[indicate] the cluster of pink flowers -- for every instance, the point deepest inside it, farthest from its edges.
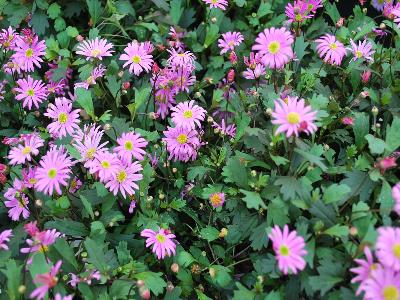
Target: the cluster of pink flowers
(380, 279)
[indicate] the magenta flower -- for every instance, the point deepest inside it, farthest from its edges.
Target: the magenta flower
(132, 206)
(162, 241)
(95, 49)
(255, 73)
(313, 5)
(29, 176)
(188, 115)
(105, 165)
(229, 41)
(298, 12)
(362, 50)
(24, 152)
(8, 38)
(28, 55)
(217, 199)
(125, 179)
(18, 206)
(182, 144)
(4, 238)
(137, 57)
(41, 241)
(384, 284)
(293, 117)
(65, 120)
(396, 197)
(131, 145)
(181, 59)
(330, 49)
(96, 73)
(223, 129)
(275, 46)
(388, 247)
(222, 4)
(54, 171)
(33, 92)
(47, 281)
(289, 249)
(14, 192)
(347, 121)
(88, 142)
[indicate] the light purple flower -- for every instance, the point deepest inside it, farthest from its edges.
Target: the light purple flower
(162, 241)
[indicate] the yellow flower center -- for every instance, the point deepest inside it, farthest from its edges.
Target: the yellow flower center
(52, 173)
(298, 17)
(89, 80)
(381, 1)
(182, 138)
(136, 59)
(43, 248)
(21, 202)
(390, 292)
(293, 118)
(183, 54)
(231, 44)
(310, 6)
(26, 150)
(30, 92)
(128, 145)
(32, 180)
(105, 164)
(62, 118)
(359, 54)
(274, 47)
(284, 250)
(121, 176)
(188, 114)
(333, 46)
(95, 52)
(215, 199)
(90, 153)
(74, 183)
(396, 250)
(160, 238)
(29, 52)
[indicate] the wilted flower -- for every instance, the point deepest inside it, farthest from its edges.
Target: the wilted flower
(47, 281)
(217, 199)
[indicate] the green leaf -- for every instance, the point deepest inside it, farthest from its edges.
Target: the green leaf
(185, 259)
(84, 99)
(209, 233)
(40, 22)
(360, 129)
(198, 171)
(259, 236)
(13, 273)
(221, 277)
(87, 206)
(279, 160)
(96, 255)
(376, 145)
(393, 135)
(211, 35)
(176, 10)
(153, 281)
(68, 227)
(332, 12)
(54, 11)
(72, 31)
(242, 293)
(66, 252)
(385, 199)
(277, 212)
(312, 158)
(236, 172)
(95, 10)
(336, 192)
(337, 231)
(253, 200)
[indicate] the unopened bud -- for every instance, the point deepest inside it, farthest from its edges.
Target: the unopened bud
(170, 286)
(364, 94)
(140, 283)
(326, 147)
(107, 127)
(155, 68)
(339, 23)
(161, 196)
(269, 111)
(21, 289)
(37, 113)
(145, 293)
(126, 85)
(223, 233)
(382, 26)
(174, 170)
(96, 213)
(175, 268)
(231, 75)
(210, 119)
(375, 111)
(84, 254)
(253, 173)
(79, 38)
(120, 74)
(233, 58)
(353, 231)
(213, 20)
(212, 272)
(150, 198)
(365, 10)
(197, 95)
(38, 203)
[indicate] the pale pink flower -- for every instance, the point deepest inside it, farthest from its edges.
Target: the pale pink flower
(88, 142)
(384, 284)
(362, 50)
(95, 49)
(229, 41)
(222, 4)
(181, 59)
(28, 55)
(105, 165)
(223, 129)
(182, 144)
(188, 115)
(388, 247)
(131, 145)
(396, 197)
(125, 179)
(41, 241)
(31, 91)
(137, 57)
(298, 11)
(25, 151)
(162, 241)
(4, 238)
(8, 38)
(18, 206)
(47, 281)
(330, 49)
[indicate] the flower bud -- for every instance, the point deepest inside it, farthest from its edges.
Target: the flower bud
(212, 272)
(223, 233)
(339, 23)
(213, 20)
(84, 254)
(21, 289)
(364, 94)
(210, 119)
(37, 113)
(107, 127)
(197, 95)
(145, 293)
(170, 286)
(269, 111)
(353, 231)
(140, 283)
(233, 58)
(253, 173)
(326, 147)
(126, 85)
(38, 203)
(382, 26)
(96, 213)
(155, 68)
(231, 76)
(161, 196)
(174, 170)
(175, 268)
(79, 38)
(365, 76)
(375, 111)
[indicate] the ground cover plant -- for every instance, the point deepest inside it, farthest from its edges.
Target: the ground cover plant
(213, 149)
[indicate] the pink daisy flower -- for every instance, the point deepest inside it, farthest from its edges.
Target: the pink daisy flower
(217, 199)
(396, 197)
(162, 241)
(313, 5)
(24, 152)
(380, 4)
(88, 142)
(181, 59)
(41, 241)
(223, 129)
(18, 206)
(182, 144)
(28, 55)
(388, 247)
(275, 46)
(188, 115)
(54, 171)
(384, 284)
(293, 117)
(229, 41)
(255, 73)
(183, 78)
(125, 179)
(47, 281)
(65, 120)
(298, 12)
(105, 165)
(362, 50)
(131, 145)
(8, 38)
(95, 49)
(289, 249)
(137, 57)
(222, 4)
(17, 188)
(330, 49)
(33, 92)
(4, 238)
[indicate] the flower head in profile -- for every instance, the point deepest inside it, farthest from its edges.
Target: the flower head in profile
(298, 12)
(96, 73)
(362, 50)
(330, 49)
(41, 241)
(396, 197)
(222, 4)
(131, 145)
(162, 241)
(188, 115)
(182, 144)
(275, 47)
(46, 281)
(137, 57)
(293, 117)
(95, 49)
(65, 119)
(224, 129)
(289, 249)
(125, 179)
(383, 284)
(388, 247)
(217, 199)
(31, 91)
(74, 185)
(4, 238)
(54, 171)
(229, 41)
(105, 165)
(88, 142)
(28, 54)
(17, 206)
(181, 59)
(26, 150)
